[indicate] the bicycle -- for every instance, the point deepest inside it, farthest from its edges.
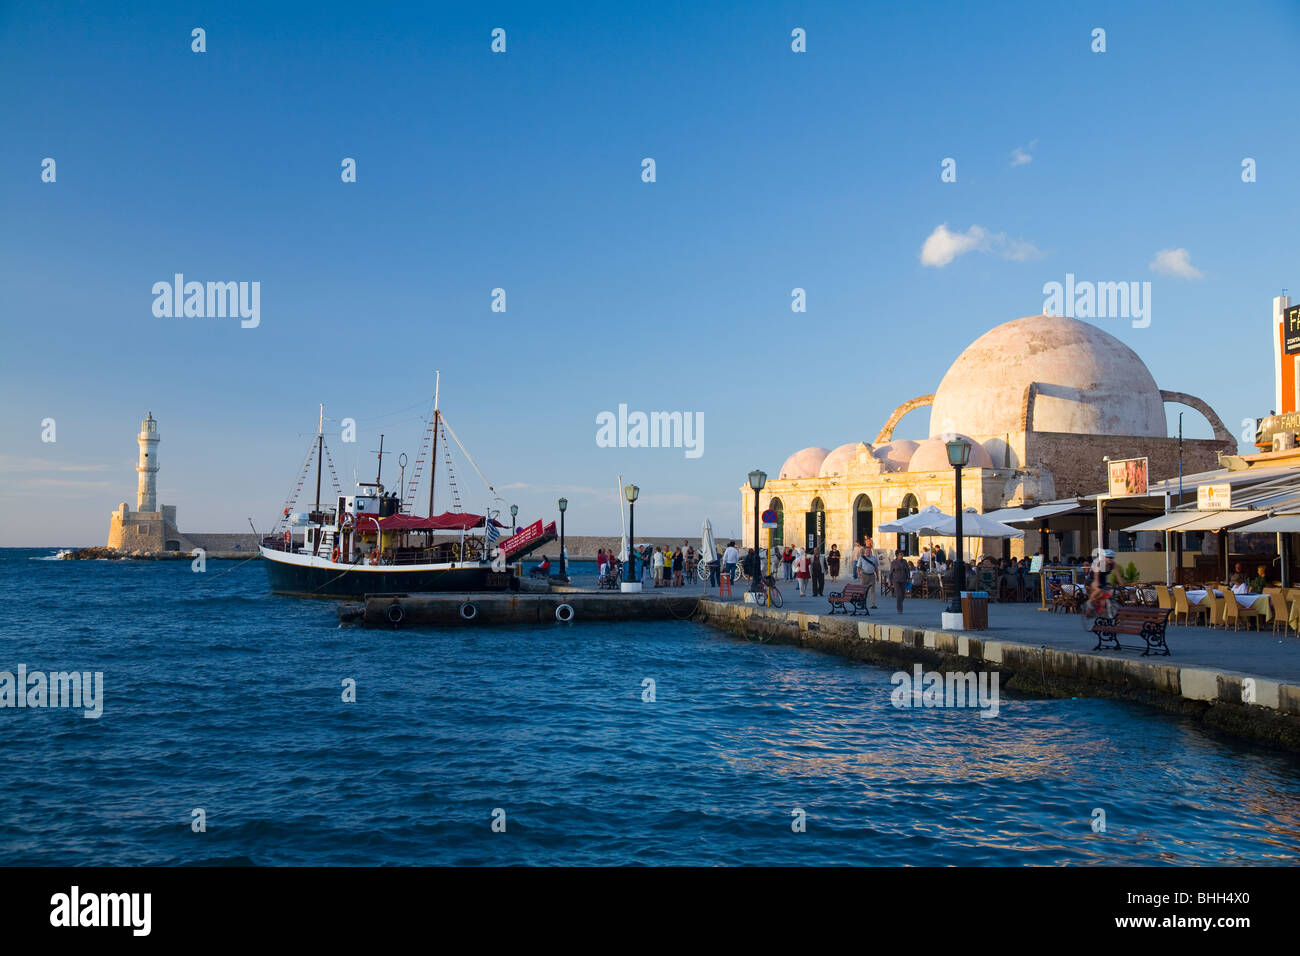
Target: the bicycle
(1102, 604)
(769, 592)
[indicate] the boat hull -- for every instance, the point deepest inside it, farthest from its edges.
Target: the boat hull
(313, 577)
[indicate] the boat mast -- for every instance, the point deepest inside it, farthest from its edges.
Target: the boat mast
(380, 470)
(320, 443)
(433, 461)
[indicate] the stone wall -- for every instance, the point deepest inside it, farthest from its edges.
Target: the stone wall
(1076, 460)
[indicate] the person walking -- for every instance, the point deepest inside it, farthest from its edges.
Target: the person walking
(898, 574)
(867, 570)
(787, 562)
(818, 573)
(730, 558)
(853, 558)
(679, 563)
(833, 563)
(802, 573)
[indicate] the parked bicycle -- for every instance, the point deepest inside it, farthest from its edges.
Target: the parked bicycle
(769, 593)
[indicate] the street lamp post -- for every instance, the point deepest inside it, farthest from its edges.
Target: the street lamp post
(514, 513)
(564, 572)
(757, 479)
(958, 456)
(630, 493)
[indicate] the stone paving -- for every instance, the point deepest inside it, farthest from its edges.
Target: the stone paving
(1245, 652)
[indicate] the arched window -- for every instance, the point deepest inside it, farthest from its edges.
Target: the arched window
(815, 525)
(778, 533)
(909, 544)
(863, 525)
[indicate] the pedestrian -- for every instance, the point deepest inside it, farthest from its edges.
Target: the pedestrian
(867, 569)
(787, 562)
(600, 563)
(658, 560)
(730, 558)
(833, 563)
(853, 558)
(679, 563)
(818, 573)
(898, 574)
(715, 569)
(802, 573)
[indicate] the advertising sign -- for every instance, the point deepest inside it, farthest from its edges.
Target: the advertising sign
(1128, 477)
(1214, 497)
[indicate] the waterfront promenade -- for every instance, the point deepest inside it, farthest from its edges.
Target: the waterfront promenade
(1248, 653)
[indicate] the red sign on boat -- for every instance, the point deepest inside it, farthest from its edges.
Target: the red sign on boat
(526, 536)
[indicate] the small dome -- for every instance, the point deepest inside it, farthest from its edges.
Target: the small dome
(895, 455)
(804, 463)
(932, 455)
(838, 461)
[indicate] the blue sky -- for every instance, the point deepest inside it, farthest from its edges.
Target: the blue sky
(522, 171)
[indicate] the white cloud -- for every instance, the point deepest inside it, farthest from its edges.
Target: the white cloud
(943, 246)
(1175, 262)
(1021, 156)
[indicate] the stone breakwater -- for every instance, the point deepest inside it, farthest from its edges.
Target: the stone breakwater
(1255, 708)
(114, 554)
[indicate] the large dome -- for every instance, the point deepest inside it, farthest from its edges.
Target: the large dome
(838, 461)
(804, 463)
(1090, 383)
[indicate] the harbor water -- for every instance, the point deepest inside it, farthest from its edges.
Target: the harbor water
(220, 697)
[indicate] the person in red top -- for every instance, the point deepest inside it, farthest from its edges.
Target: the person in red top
(802, 572)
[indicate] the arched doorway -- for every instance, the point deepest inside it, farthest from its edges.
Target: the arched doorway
(815, 525)
(909, 544)
(863, 525)
(778, 533)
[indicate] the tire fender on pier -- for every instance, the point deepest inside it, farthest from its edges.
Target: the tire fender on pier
(396, 614)
(468, 611)
(564, 613)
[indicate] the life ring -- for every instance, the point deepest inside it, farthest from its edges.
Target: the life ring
(335, 556)
(374, 557)
(564, 613)
(288, 539)
(468, 611)
(347, 521)
(396, 614)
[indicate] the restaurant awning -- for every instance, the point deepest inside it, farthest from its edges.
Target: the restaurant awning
(1034, 514)
(1219, 520)
(1173, 521)
(1283, 523)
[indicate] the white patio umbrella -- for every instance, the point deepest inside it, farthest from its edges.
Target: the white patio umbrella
(914, 524)
(973, 525)
(707, 544)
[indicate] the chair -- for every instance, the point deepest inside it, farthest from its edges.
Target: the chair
(1214, 603)
(1188, 611)
(1233, 612)
(1164, 599)
(1277, 603)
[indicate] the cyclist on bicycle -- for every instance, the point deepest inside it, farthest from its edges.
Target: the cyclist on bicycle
(1099, 580)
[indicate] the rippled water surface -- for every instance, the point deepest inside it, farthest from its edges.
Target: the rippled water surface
(220, 696)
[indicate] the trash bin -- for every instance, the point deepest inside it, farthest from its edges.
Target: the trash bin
(974, 610)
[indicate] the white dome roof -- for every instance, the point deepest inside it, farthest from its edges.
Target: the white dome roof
(838, 461)
(932, 455)
(1091, 383)
(896, 454)
(804, 463)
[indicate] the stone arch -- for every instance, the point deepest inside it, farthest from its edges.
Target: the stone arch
(1221, 432)
(887, 433)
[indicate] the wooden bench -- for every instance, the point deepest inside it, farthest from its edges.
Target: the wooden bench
(1147, 623)
(853, 596)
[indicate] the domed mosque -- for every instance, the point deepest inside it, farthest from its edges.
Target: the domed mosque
(1041, 400)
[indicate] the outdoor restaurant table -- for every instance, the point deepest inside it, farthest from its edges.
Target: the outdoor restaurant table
(1259, 602)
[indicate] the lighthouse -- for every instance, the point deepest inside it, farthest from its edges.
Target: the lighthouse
(147, 492)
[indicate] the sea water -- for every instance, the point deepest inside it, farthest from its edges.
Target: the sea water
(225, 737)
